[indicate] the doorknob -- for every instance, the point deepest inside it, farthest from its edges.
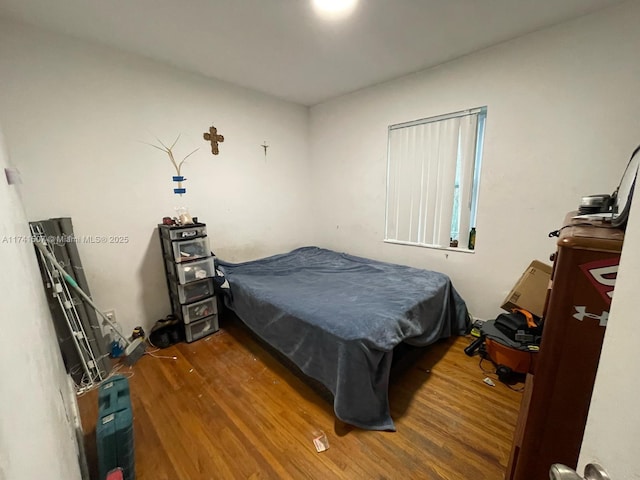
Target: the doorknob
(562, 472)
(592, 471)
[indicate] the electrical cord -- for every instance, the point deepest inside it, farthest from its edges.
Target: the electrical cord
(92, 384)
(495, 376)
(157, 349)
(154, 346)
(556, 233)
(519, 390)
(486, 372)
(161, 356)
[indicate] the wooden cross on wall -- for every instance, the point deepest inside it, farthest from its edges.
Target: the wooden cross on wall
(213, 137)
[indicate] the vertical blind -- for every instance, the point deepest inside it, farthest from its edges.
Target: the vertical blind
(430, 179)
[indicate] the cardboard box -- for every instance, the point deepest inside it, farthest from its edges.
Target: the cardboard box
(530, 292)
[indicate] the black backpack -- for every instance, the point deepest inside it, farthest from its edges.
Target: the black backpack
(166, 332)
(517, 327)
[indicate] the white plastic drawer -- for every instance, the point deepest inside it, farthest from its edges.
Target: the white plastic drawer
(196, 270)
(194, 291)
(201, 328)
(187, 232)
(198, 310)
(186, 250)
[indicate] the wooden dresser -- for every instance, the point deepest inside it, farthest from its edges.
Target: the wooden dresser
(557, 395)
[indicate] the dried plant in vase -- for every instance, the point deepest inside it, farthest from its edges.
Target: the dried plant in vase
(177, 165)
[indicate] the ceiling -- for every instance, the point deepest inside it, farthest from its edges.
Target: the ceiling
(282, 48)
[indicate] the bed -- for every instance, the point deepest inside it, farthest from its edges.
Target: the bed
(338, 318)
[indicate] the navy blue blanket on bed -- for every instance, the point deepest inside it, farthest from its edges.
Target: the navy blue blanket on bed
(338, 318)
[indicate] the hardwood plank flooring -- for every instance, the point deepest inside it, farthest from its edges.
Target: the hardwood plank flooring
(228, 409)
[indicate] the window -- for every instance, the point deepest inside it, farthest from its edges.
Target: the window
(433, 175)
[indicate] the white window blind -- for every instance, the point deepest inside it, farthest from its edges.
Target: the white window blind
(432, 179)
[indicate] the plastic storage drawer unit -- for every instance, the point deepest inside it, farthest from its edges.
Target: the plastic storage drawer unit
(196, 311)
(187, 250)
(196, 330)
(191, 271)
(186, 233)
(190, 268)
(193, 291)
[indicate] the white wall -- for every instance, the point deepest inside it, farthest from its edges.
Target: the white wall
(37, 436)
(75, 115)
(612, 434)
(562, 121)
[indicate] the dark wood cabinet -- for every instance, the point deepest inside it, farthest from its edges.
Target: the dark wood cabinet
(556, 401)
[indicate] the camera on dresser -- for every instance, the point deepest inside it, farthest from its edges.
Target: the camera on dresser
(189, 268)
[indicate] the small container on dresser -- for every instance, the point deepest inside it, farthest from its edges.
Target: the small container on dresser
(189, 268)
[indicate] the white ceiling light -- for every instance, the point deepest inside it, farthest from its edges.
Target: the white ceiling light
(334, 8)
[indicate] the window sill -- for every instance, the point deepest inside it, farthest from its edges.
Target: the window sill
(432, 247)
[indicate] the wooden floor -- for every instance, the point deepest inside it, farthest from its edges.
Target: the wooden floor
(226, 408)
